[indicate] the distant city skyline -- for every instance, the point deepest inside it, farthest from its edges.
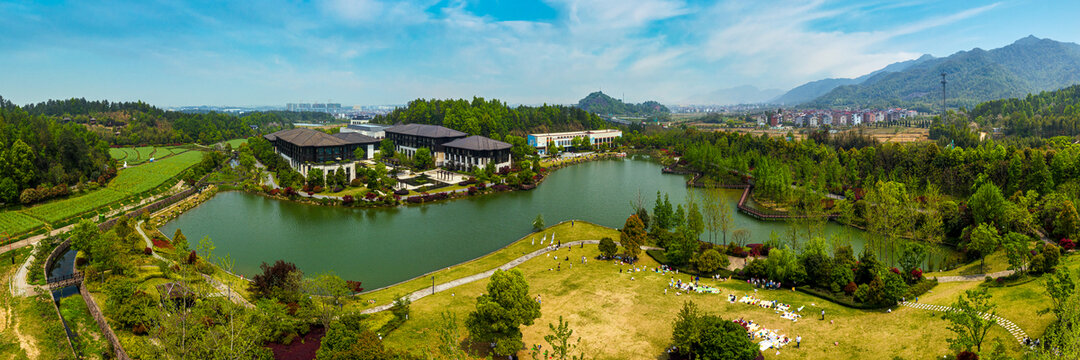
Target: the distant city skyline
(373, 52)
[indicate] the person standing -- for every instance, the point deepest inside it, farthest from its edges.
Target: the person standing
(798, 341)
(822, 314)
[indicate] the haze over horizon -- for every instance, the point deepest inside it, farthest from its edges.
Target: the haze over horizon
(528, 52)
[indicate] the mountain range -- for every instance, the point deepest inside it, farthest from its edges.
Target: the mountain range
(1029, 65)
(814, 89)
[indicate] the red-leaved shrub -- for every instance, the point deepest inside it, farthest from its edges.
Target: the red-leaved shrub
(850, 288)
(1067, 244)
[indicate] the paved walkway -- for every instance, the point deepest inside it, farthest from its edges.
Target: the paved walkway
(1009, 326)
(222, 289)
(416, 295)
(18, 285)
(976, 277)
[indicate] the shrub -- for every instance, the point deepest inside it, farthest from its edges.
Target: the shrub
(356, 182)
(967, 355)
(204, 267)
(354, 286)
(1067, 244)
(916, 274)
(317, 189)
(347, 199)
(862, 294)
(608, 247)
(850, 288)
(191, 258)
(147, 251)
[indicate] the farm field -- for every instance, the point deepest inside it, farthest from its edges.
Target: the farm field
(14, 222)
(128, 182)
(236, 142)
(139, 155)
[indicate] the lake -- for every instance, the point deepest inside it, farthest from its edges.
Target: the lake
(384, 246)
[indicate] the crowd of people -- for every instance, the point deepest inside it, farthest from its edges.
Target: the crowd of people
(765, 338)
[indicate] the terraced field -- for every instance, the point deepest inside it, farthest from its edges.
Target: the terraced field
(139, 155)
(128, 182)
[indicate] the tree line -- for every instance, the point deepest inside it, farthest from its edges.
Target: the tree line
(492, 118)
(40, 153)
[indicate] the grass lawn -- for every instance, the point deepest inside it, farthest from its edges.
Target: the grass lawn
(995, 262)
(356, 192)
(563, 232)
(90, 342)
(606, 307)
(29, 327)
(236, 142)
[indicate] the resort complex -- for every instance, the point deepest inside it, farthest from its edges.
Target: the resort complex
(306, 149)
(893, 206)
(603, 137)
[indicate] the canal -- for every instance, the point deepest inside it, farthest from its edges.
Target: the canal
(383, 246)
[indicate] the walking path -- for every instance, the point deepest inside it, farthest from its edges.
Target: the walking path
(222, 289)
(416, 295)
(976, 277)
(18, 284)
(1009, 326)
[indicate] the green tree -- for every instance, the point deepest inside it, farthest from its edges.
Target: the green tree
(1067, 223)
(560, 341)
(710, 337)
(9, 192)
(695, 222)
(20, 161)
(1060, 286)
(423, 159)
(386, 149)
(663, 214)
(315, 177)
(501, 311)
(632, 236)
(987, 204)
(359, 154)
(971, 319)
(449, 336)
(1016, 250)
(538, 223)
(326, 290)
(984, 239)
(710, 261)
(607, 247)
(783, 266)
(179, 241)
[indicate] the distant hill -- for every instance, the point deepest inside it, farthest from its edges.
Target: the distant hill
(1029, 65)
(746, 94)
(1047, 114)
(600, 103)
(814, 89)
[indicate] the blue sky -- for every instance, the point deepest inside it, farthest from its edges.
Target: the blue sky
(270, 52)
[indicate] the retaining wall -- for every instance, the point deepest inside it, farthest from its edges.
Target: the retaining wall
(103, 325)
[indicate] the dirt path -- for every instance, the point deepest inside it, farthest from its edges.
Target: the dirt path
(8, 320)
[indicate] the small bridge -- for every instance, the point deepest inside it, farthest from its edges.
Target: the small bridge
(65, 281)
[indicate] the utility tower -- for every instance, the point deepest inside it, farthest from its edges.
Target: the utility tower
(943, 108)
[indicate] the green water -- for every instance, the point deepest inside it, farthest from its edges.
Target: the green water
(383, 246)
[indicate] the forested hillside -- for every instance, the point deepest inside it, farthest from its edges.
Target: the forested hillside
(38, 151)
(138, 123)
(1048, 114)
(812, 90)
(600, 103)
(1029, 65)
(492, 118)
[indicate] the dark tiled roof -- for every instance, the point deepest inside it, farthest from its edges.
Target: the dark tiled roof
(306, 137)
(429, 131)
(477, 142)
(356, 138)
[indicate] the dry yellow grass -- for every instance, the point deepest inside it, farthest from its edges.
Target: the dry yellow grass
(620, 318)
